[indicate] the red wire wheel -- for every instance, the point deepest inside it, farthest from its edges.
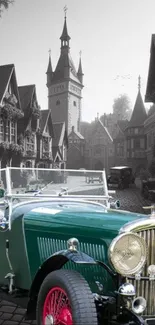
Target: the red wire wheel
(56, 309)
(65, 299)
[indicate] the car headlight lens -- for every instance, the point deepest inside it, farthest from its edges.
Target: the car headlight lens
(127, 253)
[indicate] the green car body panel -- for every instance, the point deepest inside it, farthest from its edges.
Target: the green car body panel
(41, 234)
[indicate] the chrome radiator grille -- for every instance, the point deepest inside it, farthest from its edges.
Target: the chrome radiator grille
(146, 288)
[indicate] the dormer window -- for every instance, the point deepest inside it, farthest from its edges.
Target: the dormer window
(58, 102)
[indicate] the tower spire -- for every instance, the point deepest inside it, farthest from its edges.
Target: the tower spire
(65, 10)
(139, 83)
(49, 71)
(80, 72)
(65, 38)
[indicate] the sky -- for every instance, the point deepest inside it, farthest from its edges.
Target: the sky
(114, 37)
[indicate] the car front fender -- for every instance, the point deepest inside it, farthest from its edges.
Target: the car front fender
(75, 256)
(53, 263)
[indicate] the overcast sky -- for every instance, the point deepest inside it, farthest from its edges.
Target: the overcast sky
(113, 35)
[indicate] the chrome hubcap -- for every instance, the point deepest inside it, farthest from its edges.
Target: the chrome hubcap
(49, 320)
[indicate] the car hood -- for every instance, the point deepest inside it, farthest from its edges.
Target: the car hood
(79, 215)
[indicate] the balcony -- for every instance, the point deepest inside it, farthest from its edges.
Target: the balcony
(30, 153)
(139, 154)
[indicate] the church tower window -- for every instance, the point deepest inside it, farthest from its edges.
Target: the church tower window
(74, 103)
(58, 102)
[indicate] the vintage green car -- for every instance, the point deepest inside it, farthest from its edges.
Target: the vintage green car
(71, 259)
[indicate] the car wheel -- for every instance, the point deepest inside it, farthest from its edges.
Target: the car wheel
(65, 298)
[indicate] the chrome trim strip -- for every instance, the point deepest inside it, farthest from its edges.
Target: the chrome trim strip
(144, 223)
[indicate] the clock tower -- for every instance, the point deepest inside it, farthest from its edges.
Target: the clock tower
(65, 86)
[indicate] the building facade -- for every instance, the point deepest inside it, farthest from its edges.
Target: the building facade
(76, 150)
(28, 137)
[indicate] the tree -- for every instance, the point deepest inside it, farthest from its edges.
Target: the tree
(121, 107)
(4, 4)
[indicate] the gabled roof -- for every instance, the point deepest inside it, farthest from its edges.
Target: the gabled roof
(122, 124)
(150, 89)
(78, 134)
(59, 134)
(46, 118)
(103, 128)
(43, 119)
(139, 113)
(56, 154)
(5, 75)
(7, 72)
(26, 93)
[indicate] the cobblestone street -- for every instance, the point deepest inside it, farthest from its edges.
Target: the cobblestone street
(11, 314)
(130, 199)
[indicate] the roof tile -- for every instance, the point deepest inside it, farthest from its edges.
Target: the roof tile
(139, 113)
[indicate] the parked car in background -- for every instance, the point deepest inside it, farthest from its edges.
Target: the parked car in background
(70, 260)
(92, 177)
(120, 177)
(148, 189)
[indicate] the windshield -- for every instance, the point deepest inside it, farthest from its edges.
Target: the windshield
(115, 172)
(29, 183)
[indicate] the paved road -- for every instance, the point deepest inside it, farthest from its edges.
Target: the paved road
(130, 199)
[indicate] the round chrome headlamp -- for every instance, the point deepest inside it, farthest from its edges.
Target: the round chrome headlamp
(127, 253)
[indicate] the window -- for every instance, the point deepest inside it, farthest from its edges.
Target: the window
(137, 143)
(142, 143)
(1, 130)
(13, 131)
(149, 140)
(58, 102)
(28, 164)
(136, 131)
(128, 144)
(7, 132)
(30, 143)
(74, 103)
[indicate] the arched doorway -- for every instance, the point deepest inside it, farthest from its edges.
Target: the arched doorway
(98, 165)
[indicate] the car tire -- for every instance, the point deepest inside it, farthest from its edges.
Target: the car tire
(69, 287)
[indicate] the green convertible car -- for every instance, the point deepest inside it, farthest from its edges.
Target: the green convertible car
(69, 256)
